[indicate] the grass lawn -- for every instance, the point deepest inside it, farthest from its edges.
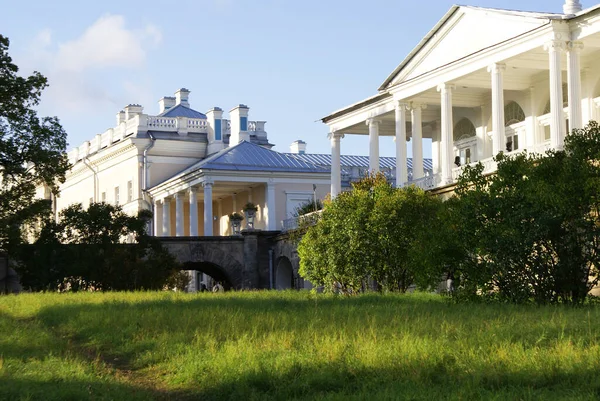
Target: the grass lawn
(292, 345)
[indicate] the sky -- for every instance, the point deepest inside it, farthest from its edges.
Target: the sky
(291, 62)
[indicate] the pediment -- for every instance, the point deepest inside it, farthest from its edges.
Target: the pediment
(461, 33)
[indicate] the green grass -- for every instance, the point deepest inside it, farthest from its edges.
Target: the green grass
(292, 345)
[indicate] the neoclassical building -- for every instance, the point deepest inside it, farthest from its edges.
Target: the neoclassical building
(193, 169)
(480, 82)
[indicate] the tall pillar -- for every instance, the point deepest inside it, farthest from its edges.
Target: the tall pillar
(417, 141)
(498, 137)
(574, 82)
(447, 127)
(435, 148)
(208, 214)
(557, 117)
(179, 214)
(373, 145)
(271, 224)
(234, 203)
(157, 229)
(220, 214)
(336, 168)
(401, 166)
(193, 212)
(166, 220)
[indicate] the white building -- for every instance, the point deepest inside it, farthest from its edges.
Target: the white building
(480, 82)
(193, 169)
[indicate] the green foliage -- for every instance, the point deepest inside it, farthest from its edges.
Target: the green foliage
(85, 251)
(532, 229)
(32, 151)
(236, 216)
(293, 346)
(308, 207)
(250, 206)
(375, 232)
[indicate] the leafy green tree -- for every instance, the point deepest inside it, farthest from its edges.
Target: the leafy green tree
(32, 150)
(533, 227)
(85, 250)
(375, 232)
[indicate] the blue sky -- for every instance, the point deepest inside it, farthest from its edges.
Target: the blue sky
(291, 62)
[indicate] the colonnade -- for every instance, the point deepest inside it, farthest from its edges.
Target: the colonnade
(192, 194)
(554, 49)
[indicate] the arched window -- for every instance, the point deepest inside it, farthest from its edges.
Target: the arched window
(463, 129)
(513, 113)
(464, 141)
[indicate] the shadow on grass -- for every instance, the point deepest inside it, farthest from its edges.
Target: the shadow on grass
(119, 332)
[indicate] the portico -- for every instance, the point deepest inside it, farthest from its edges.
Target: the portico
(199, 200)
(512, 86)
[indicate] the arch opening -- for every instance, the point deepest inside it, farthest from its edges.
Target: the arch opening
(284, 274)
(206, 275)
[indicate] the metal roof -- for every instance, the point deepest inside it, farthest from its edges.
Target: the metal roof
(182, 111)
(247, 156)
(355, 161)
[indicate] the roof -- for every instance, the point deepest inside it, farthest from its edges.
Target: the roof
(247, 156)
(182, 111)
(432, 33)
(355, 161)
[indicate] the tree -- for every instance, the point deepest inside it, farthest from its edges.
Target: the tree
(375, 232)
(533, 227)
(85, 250)
(32, 150)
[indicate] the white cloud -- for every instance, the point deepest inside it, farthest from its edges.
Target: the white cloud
(96, 72)
(107, 43)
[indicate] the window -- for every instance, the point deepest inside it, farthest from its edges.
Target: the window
(463, 129)
(465, 142)
(129, 191)
(116, 196)
(103, 197)
(513, 114)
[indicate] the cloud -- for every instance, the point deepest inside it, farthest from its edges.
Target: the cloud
(107, 43)
(96, 72)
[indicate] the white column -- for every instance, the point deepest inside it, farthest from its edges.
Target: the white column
(373, 145)
(557, 117)
(401, 166)
(417, 141)
(447, 127)
(166, 220)
(234, 203)
(193, 212)
(435, 148)
(179, 214)
(271, 224)
(574, 82)
(208, 214)
(220, 215)
(157, 211)
(498, 135)
(336, 168)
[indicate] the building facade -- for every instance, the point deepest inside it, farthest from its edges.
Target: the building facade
(480, 82)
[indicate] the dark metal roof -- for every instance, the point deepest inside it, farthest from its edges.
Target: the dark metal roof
(247, 156)
(355, 161)
(182, 111)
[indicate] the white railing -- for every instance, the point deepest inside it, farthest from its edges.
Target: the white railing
(163, 123)
(540, 148)
(197, 125)
(426, 183)
(292, 222)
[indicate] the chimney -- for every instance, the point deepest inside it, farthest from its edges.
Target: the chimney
(165, 103)
(572, 7)
(181, 97)
(120, 117)
(132, 110)
(215, 130)
(239, 124)
(298, 147)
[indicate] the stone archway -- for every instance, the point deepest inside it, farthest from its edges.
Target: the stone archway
(217, 273)
(284, 274)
